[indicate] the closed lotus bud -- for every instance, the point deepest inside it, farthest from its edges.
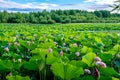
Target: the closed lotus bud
(55, 43)
(66, 50)
(96, 73)
(101, 51)
(75, 45)
(50, 50)
(23, 38)
(76, 36)
(28, 42)
(71, 37)
(61, 53)
(10, 74)
(80, 45)
(13, 60)
(6, 49)
(19, 60)
(103, 44)
(62, 39)
(117, 55)
(16, 44)
(101, 64)
(97, 59)
(87, 71)
(8, 44)
(77, 54)
(34, 35)
(64, 44)
(33, 42)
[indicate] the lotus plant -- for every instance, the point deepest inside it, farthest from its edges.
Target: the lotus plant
(16, 44)
(6, 49)
(97, 59)
(19, 60)
(99, 62)
(87, 71)
(61, 53)
(13, 60)
(8, 44)
(77, 54)
(75, 45)
(96, 73)
(28, 42)
(50, 50)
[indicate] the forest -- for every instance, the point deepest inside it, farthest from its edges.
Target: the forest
(60, 16)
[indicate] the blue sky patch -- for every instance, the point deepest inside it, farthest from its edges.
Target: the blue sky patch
(38, 5)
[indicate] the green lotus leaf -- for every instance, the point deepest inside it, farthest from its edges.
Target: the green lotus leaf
(66, 71)
(17, 77)
(89, 58)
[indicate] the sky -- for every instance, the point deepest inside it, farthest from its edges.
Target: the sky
(38, 5)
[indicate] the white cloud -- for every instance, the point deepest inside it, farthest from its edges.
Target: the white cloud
(105, 2)
(89, 5)
(45, 4)
(101, 2)
(89, 0)
(11, 4)
(35, 6)
(71, 6)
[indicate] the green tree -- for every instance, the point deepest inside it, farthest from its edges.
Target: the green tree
(105, 14)
(4, 17)
(98, 13)
(33, 19)
(50, 21)
(59, 16)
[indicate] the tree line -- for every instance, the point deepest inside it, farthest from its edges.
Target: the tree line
(60, 16)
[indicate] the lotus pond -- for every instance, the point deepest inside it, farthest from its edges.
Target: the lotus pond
(60, 52)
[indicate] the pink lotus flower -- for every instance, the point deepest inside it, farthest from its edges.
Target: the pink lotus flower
(97, 59)
(6, 49)
(101, 64)
(87, 71)
(50, 50)
(61, 53)
(77, 54)
(75, 45)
